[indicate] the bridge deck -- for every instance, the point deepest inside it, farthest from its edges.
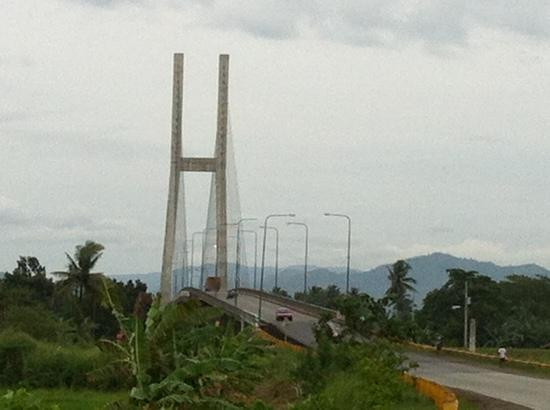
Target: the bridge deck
(300, 329)
(245, 307)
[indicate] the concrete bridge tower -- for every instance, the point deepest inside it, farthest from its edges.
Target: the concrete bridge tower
(180, 164)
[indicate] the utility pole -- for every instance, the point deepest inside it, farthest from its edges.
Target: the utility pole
(306, 251)
(466, 303)
(348, 256)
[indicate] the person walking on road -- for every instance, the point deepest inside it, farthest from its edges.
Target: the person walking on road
(439, 343)
(502, 355)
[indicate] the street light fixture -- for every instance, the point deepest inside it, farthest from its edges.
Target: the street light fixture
(263, 258)
(306, 250)
(349, 244)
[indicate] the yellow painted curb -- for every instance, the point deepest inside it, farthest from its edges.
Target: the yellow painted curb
(444, 398)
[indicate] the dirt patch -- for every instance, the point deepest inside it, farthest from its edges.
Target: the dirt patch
(486, 402)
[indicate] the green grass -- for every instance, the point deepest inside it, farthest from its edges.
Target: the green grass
(68, 399)
(412, 400)
(464, 404)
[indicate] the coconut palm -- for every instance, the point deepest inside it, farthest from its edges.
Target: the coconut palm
(400, 286)
(79, 277)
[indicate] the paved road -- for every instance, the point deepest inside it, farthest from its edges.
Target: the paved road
(528, 391)
(299, 329)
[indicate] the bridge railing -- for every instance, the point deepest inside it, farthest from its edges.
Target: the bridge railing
(297, 305)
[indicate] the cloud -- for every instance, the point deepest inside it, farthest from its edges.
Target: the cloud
(16, 61)
(20, 224)
(390, 23)
(11, 215)
(9, 117)
(440, 230)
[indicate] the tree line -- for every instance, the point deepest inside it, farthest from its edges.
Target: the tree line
(72, 306)
(513, 312)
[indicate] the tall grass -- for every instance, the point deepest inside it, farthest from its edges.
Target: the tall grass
(51, 365)
(46, 364)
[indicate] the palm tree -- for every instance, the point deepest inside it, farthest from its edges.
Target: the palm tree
(400, 286)
(79, 277)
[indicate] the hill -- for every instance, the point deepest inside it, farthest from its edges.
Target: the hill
(428, 270)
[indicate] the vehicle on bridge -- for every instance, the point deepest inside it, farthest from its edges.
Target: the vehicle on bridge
(283, 313)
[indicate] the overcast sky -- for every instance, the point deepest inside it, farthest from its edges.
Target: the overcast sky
(426, 121)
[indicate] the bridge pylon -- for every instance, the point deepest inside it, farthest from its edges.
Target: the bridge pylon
(180, 164)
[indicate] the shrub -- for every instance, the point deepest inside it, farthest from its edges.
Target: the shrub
(14, 348)
(370, 386)
(50, 365)
(22, 400)
(37, 322)
(25, 361)
(351, 375)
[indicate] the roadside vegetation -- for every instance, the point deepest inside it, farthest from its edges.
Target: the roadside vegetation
(85, 341)
(514, 312)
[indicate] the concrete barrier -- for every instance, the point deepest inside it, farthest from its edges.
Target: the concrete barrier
(211, 300)
(443, 398)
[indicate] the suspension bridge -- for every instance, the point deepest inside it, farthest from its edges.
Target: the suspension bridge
(222, 236)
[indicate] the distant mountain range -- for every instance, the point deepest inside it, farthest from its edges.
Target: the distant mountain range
(428, 270)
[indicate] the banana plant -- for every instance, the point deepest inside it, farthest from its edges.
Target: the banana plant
(182, 358)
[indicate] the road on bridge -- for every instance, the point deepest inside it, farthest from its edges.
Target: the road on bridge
(488, 380)
(300, 329)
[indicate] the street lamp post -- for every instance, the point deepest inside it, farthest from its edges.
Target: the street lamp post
(203, 245)
(185, 273)
(263, 259)
(205, 234)
(255, 253)
(193, 257)
(466, 303)
(349, 244)
(276, 253)
(306, 250)
(238, 258)
(255, 257)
